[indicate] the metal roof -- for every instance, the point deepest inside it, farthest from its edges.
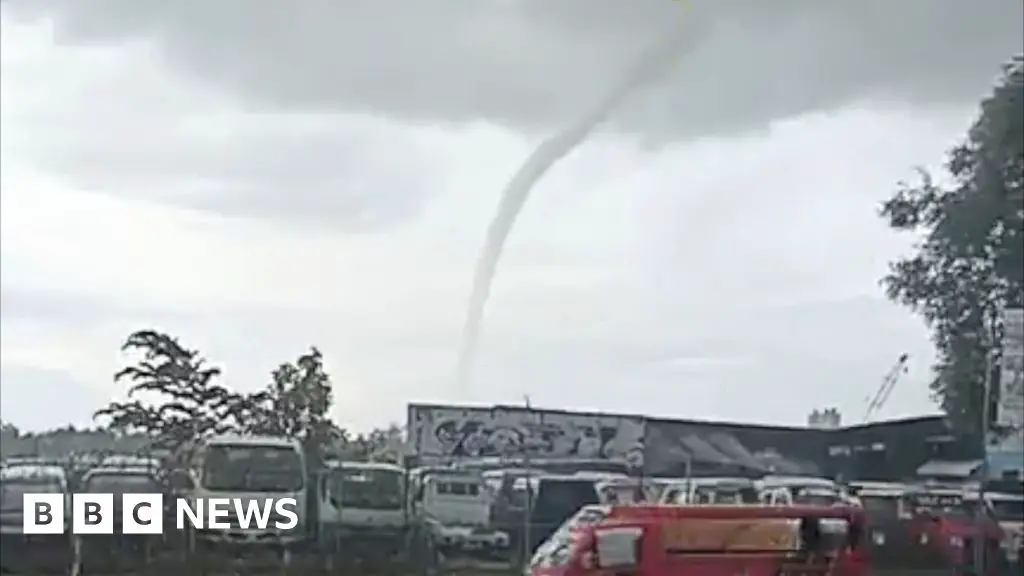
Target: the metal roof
(955, 469)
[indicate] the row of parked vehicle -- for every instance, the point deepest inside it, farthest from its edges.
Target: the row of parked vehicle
(371, 513)
(348, 512)
(857, 528)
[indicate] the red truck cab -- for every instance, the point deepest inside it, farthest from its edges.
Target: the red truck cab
(708, 541)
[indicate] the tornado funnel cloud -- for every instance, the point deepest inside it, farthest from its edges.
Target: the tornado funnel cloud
(649, 68)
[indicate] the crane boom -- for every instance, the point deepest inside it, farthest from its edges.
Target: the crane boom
(885, 389)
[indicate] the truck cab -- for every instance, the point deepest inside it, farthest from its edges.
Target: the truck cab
(458, 504)
(118, 551)
(362, 503)
(365, 518)
(256, 470)
(22, 550)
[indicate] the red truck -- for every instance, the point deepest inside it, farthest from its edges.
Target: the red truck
(708, 541)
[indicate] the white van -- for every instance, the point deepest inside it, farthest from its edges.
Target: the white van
(368, 496)
(460, 503)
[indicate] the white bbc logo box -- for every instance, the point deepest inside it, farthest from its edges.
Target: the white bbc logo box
(93, 514)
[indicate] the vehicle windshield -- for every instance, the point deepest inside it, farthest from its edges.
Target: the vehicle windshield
(1008, 510)
(729, 495)
(367, 488)
(817, 497)
(114, 483)
(12, 492)
(560, 499)
(248, 468)
(880, 506)
(458, 488)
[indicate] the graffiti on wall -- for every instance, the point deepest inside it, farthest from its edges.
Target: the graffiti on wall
(450, 432)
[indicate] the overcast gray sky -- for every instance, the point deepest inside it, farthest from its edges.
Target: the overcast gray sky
(261, 176)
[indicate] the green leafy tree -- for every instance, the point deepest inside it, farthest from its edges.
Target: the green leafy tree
(969, 262)
(188, 402)
(296, 404)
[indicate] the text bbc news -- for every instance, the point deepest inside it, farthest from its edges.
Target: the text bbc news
(144, 513)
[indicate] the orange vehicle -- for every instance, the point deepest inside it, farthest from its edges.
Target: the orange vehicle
(708, 541)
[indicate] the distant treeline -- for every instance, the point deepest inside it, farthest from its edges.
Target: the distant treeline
(65, 441)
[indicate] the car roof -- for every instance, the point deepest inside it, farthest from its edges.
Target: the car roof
(660, 511)
(350, 465)
(870, 489)
(255, 441)
(33, 473)
(1004, 497)
(119, 471)
(783, 481)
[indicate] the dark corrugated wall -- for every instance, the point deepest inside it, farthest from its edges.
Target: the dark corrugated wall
(884, 450)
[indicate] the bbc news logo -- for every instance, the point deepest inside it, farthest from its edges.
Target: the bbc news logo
(144, 513)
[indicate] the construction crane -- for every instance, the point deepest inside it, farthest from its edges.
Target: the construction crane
(888, 383)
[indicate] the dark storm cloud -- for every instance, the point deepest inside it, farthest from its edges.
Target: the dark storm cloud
(531, 63)
(355, 179)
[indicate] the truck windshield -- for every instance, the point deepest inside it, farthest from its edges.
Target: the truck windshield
(368, 488)
(12, 492)
(248, 468)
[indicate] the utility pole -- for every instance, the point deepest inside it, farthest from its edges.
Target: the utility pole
(528, 513)
(981, 513)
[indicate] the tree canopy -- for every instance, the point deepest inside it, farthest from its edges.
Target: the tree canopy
(969, 262)
(175, 398)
